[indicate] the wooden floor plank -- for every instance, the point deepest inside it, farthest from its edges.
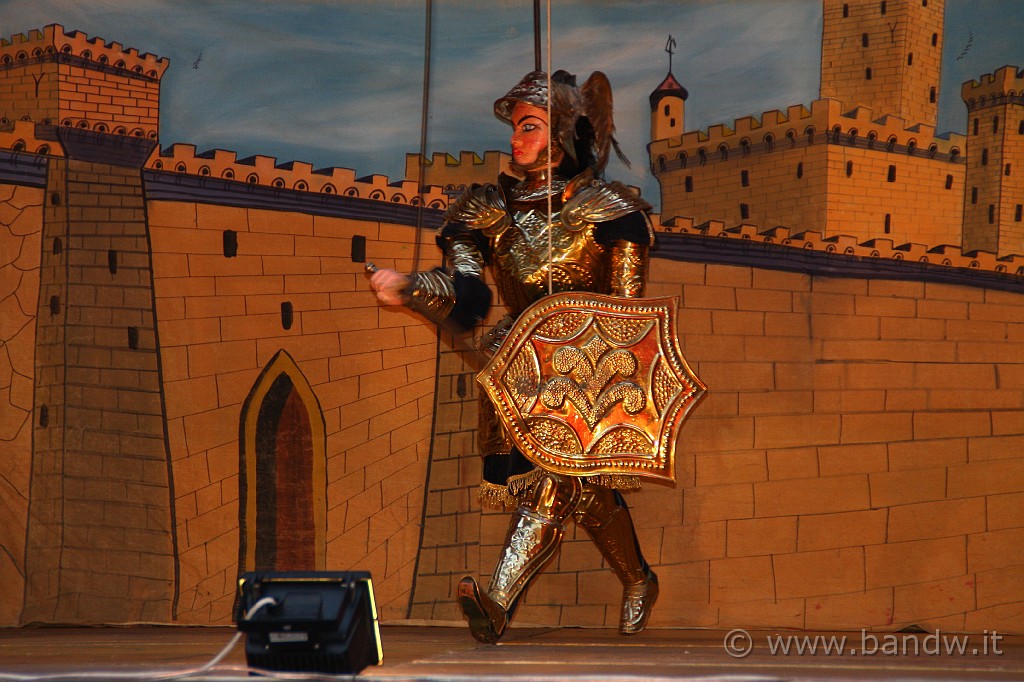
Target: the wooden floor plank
(449, 654)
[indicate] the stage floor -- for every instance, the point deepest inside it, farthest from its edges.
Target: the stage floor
(431, 653)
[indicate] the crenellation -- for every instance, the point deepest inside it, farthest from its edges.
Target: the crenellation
(879, 247)
(53, 42)
(295, 175)
(444, 170)
(824, 116)
(1006, 81)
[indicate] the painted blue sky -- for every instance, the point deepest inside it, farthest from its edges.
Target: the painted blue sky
(339, 82)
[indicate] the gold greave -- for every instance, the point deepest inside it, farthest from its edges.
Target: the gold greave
(534, 534)
(610, 525)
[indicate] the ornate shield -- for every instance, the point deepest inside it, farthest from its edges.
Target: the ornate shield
(591, 384)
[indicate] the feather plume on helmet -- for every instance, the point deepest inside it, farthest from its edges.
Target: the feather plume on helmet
(583, 125)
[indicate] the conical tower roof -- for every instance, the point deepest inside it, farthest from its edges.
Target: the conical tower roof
(669, 87)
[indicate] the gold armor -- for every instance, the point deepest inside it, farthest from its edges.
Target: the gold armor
(572, 232)
(527, 252)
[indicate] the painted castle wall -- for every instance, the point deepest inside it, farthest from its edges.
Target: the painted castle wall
(196, 380)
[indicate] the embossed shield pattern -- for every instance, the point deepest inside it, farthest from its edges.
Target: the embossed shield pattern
(591, 384)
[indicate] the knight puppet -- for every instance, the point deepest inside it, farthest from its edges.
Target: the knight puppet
(557, 227)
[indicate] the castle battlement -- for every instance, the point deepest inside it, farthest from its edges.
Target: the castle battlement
(444, 170)
(466, 158)
(20, 136)
(293, 175)
(1006, 81)
(53, 40)
(944, 254)
(825, 116)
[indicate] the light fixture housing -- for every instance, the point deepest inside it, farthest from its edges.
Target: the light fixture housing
(310, 621)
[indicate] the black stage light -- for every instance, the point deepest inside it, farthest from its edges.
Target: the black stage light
(307, 621)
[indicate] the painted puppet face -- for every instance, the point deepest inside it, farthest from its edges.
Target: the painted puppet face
(529, 134)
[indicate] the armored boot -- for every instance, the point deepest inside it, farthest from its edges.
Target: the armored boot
(533, 536)
(605, 516)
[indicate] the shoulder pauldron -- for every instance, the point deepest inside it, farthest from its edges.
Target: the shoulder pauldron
(481, 207)
(593, 201)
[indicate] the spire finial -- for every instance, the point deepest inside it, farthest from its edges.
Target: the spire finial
(670, 47)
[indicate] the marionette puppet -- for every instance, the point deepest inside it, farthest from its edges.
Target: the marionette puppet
(585, 388)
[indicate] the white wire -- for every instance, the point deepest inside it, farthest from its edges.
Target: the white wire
(157, 674)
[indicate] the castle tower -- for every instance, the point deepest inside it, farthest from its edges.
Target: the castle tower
(884, 55)
(66, 79)
(668, 109)
(99, 543)
(668, 103)
(994, 196)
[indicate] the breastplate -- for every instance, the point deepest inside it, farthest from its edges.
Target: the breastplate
(523, 256)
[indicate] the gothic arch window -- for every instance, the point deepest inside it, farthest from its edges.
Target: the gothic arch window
(282, 472)
(681, 157)
(836, 132)
(891, 144)
(911, 147)
(723, 152)
(769, 142)
(703, 155)
(852, 139)
(791, 136)
(745, 146)
(809, 131)
(661, 164)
